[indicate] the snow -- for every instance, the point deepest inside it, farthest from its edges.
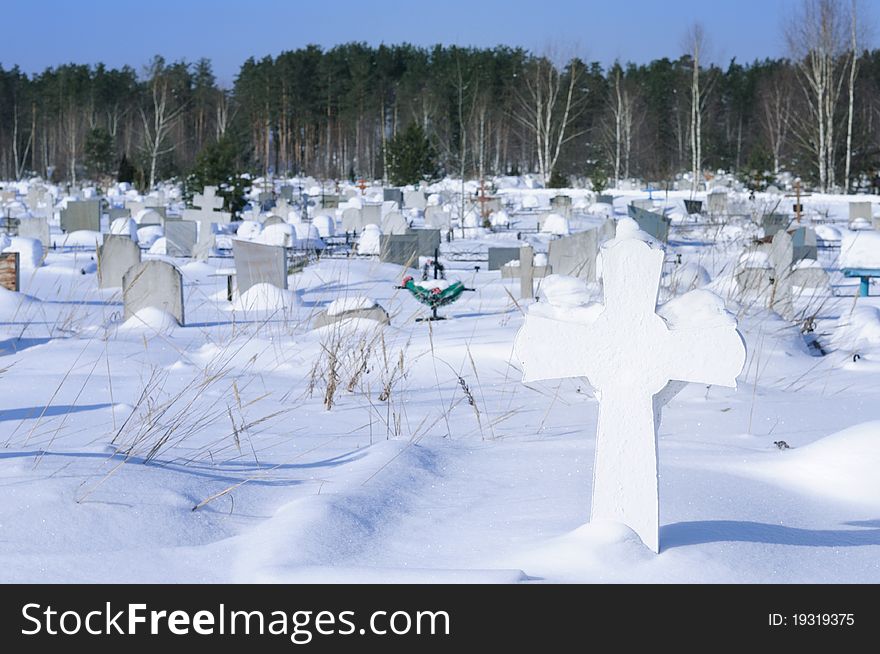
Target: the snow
(281, 234)
(150, 319)
(150, 216)
(125, 227)
(828, 233)
(148, 235)
(369, 241)
(354, 303)
(860, 250)
(540, 259)
(564, 292)
(499, 219)
(30, 251)
(416, 488)
(325, 225)
(81, 238)
(431, 284)
(248, 229)
(264, 297)
(555, 224)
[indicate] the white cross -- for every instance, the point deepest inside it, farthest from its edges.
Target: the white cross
(207, 212)
(208, 199)
(633, 360)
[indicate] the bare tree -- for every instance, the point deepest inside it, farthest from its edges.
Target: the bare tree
(161, 118)
(776, 113)
(622, 101)
(695, 41)
(816, 40)
(548, 105)
(854, 38)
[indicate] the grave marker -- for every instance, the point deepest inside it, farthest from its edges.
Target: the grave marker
(394, 223)
(181, 237)
(10, 276)
(256, 263)
(153, 283)
(115, 257)
(81, 215)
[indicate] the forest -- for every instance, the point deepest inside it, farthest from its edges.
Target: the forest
(330, 113)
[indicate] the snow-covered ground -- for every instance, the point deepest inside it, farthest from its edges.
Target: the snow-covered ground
(148, 452)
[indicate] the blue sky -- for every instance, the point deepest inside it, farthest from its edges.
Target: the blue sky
(118, 32)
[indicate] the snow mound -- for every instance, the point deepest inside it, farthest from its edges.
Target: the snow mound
(369, 242)
(556, 224)
(842, 466)
(325, 225)
(529, 202)
(264, 297)
(858, 330)
(345, 304)
(755, 259)
(687, 277)
(540, 259)
(148, 216)
(629, 228)
(564, 291)
(82, 238)
(150, 319)
(282, 234)
(125, 227)
(11, 303)
(700, 308)
(828, 233)
(431, 284)
(860, 250)
(30, 251)
(248, 229)
(499, 218)
(150, 234)
(159, 246)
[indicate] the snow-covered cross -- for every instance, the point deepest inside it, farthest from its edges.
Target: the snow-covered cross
(207, 212)
(208, 200)
(636, 361)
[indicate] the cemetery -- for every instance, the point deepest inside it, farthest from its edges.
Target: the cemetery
(269, 352)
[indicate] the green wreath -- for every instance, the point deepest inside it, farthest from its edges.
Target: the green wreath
(434, 297)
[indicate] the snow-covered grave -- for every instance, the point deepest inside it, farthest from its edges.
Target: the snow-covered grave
(636, 356)
(115, 257)
(155, 286)
(256, 263)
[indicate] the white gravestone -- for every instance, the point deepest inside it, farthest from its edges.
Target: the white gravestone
(115, 257)
(156, 284)
(636, 361)
(206, 212)
(395, 224)
(256, 263)
(781, 257)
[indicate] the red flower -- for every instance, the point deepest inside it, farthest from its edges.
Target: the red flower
(435, 291)
(406, 279)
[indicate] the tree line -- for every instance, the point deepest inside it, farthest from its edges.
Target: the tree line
(331, 113)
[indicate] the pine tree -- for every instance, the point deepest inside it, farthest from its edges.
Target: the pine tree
(411, 157)
(217, 165)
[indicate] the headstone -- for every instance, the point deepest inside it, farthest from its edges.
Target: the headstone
(605, 199)
(860, 210)
(655, 224)
(781, 257)
(575, 255)
(207, 211)
(693, 206)
(804, 244)
(526, 272)
(561, 204)
(414, 200)
(286, 193)
(394, 223)
(436, 218)
(371, 214)
(429, 241)
(115, 257)
(35, 228)
(393, 195)
(636, 361)
(810, 276)
(717, 203)
(774, 222)
(329, 201)
(272, 220)
(153, 283)
(401, 249)
(181, 237)
(85, 214)
(117, 212)
(352, 221)
(282, 208)
(10, 277)
(642, 203)
(365, 312)
(256, 263)
(500, 256)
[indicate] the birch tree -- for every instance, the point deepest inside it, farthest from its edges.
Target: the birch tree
(694, 45)
(159, 117)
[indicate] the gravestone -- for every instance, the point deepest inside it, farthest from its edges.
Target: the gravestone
(603, 198)
(282, 208)
(414, 200)
(393, 195)
(860, 210)
(371, 214)
(636, 361)
(500, 256)
(436, 218)
(117, 212)
(526, 272)
(781, 256)
(693, 206)
(429, 241)
(10, 276)
(575, 255)
(642, 203)
(35, 228)
(717, 203)
(367, 310)
(774, 222)
(115, 257)
(181, 237)
(329, 201)
(256, 263)
(206, 212)
(394, 223)
(272, 219)
(561, 204)
(286, 193)
(352, 221)
(85, 214)
(804, 244)
(655, 224)
(401, 249)
(153, 283)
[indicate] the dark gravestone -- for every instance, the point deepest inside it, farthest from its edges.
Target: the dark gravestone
(654, 224)
(773, 223)
(429, 241)
(693, 206)
(393, 195)
(81, 215)
(180, 237)
(329, 201)
(604, 199)
(401, 249)
(500, 256)
(286, 192)
(117, 212)
(804, 242)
